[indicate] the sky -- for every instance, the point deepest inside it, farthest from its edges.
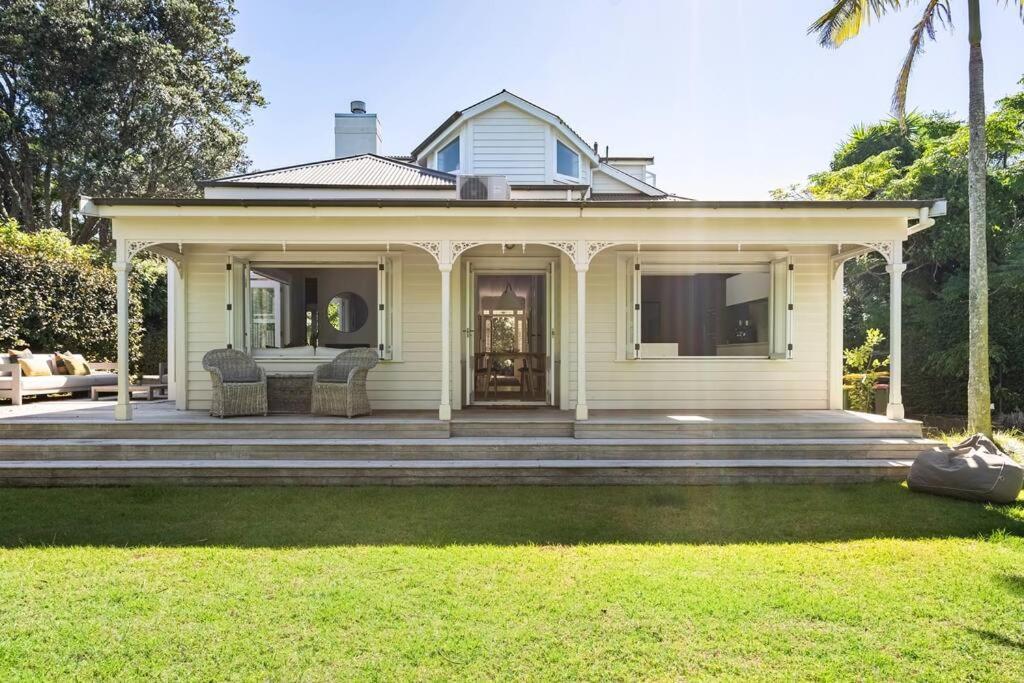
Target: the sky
(731, 97)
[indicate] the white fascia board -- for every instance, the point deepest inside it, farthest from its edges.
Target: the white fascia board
(635, 183)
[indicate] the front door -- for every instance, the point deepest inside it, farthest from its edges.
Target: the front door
(508, 342)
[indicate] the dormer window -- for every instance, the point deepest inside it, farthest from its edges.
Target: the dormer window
(567, 162)
(448, 157)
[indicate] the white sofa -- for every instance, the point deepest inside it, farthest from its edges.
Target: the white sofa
(15, 386)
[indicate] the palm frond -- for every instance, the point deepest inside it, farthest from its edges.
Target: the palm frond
(934, 11)
(1020, 3)
(845, 19)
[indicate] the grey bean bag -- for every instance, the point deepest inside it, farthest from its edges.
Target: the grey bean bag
(975, 469)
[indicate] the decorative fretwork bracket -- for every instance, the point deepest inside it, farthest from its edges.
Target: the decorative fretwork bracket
(134, 247)
(888, 251)
(432, 248)
(580, 252)
(458, 247)
(593, 248)
(568, 247)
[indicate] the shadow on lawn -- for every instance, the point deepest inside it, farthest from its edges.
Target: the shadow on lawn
(999, 638)
(438, 516)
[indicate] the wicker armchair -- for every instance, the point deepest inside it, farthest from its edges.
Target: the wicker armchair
(339, 387)
(239, 385)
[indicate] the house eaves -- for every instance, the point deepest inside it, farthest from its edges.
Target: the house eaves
(780, 205)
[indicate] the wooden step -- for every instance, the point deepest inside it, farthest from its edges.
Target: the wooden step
(739, 428)
(458, 448)
(450, 472)
(263, 428)
(519, 428)
(512, 423)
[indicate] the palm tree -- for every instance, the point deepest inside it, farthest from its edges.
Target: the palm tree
(844, 21)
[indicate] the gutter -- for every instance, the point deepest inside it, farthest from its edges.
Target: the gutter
(513, 203)
(925, 220)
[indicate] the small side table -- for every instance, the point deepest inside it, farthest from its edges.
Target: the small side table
(289, 392)
(150, 390)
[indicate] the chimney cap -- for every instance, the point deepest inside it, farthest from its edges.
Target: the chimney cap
(358, 107)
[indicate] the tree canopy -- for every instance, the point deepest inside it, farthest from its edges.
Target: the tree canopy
(929, 160)
(116, 97)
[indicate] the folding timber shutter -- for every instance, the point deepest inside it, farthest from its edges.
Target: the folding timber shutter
(633, 307)
(781, 307)
(384, 305)
(237, 278)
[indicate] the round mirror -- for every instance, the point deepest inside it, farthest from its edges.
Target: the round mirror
(347, 312)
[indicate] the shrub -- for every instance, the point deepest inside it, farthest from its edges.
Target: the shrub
(55, 296)
(863, 370)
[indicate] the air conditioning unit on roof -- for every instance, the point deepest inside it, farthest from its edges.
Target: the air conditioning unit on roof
(480, 187)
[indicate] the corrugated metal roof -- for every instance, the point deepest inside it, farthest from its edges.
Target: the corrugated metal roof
(364, 170)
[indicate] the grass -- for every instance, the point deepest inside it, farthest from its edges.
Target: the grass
(1010, 441)
(754, 582)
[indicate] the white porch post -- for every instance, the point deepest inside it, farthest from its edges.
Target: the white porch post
(895, 268)
(835, 338)
(172, 312)
(581, 335)
(122, 266)
(444, 411)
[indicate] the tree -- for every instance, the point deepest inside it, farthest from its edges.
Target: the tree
(843, 22)
(927, 156)
(115, 97)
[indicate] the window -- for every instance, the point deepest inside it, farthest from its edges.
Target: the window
(448, 157)
(705, 310)
(567, 161)
(311, 310)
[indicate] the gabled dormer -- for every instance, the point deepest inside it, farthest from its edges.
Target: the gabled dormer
(507, 135)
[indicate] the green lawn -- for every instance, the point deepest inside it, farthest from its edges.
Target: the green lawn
(849, 582)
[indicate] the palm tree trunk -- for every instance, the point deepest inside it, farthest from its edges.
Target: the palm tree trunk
(979, 411)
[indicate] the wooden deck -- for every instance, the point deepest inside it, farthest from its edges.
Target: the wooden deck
(56, 442)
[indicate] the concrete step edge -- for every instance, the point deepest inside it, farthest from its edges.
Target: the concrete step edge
(456, 442)
(442, 464)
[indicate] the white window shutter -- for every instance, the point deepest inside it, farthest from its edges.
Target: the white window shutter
(237, 279)
(633, 308)
(384, 307)
(781, 306)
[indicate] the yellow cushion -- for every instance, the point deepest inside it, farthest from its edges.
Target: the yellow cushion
(34, 367)
(72, 363)
(15, 355)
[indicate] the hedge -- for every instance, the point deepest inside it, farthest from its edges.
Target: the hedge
(56, 296)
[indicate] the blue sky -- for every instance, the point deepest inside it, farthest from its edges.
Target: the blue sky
(730, 96)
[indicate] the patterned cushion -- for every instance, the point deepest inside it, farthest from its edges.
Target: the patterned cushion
(15, 355)
(34, 367)
(71, 364)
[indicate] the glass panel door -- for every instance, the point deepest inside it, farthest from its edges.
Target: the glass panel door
(511, 338)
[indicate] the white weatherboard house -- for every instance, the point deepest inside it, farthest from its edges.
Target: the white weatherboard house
(507, 261)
